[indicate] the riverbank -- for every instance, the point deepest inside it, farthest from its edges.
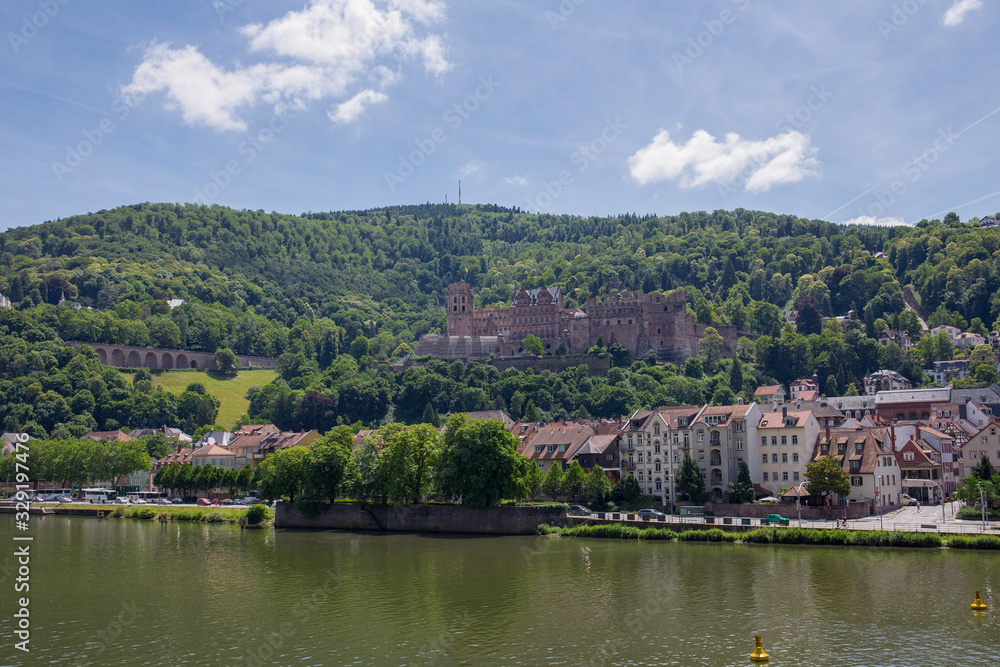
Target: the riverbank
(855, 538)
(235, 515)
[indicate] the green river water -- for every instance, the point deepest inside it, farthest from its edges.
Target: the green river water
(127, 592)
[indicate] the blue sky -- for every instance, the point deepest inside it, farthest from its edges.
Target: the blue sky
(883, 111)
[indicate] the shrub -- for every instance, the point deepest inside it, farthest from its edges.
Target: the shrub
(256, 514)
(143, 513)
(976, 514)
(973, 542)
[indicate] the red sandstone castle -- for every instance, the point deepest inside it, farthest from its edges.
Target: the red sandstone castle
(642, 323)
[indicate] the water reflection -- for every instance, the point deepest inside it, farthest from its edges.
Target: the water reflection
(129, 592)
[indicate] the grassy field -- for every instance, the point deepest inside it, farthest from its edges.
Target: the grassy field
(230, 392)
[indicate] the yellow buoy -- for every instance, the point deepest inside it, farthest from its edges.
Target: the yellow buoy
(978, 603)
(758, 654)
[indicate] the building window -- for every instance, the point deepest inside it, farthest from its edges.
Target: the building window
(784, 439)
(658, 466)
(656, 448)
(907, 456)
(550, 449)
(677, 439)
(765, 477)
(538, 449)
(784, 458)
(795, 476)
(640, 457)
(701, 436)
(659, 485)
(774, 458)
(784, 476)
(795, 439)
(763, 458)
(855, 464)
(562, 449)
(630, 441)
(795, 457)
(739, 444)
(640, 476)
(856, 481)
(763, 441)
(774, 441)
(656, 429)
(609, 457)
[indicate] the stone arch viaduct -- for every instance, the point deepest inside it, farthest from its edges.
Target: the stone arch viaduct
(131, 356)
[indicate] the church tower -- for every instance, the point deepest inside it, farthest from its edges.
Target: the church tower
(461, 310)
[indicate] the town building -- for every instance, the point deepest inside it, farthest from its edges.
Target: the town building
(885, 380)
(213, 455)
(982, 444)
(787, 439)
(801, 386)
(921, 471)
(867, 456)
(968, 340)
(941, 444)
(900, 338)
(951, 369)
(770, 394)
(953, 332)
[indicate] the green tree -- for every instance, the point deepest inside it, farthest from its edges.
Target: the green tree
(742, 490)
(597, 485)
(981, 354)
(736, 375)
(325, 466)
(226, 362)
(283, 473)
(827, 474)
(984, 470)
(625, 490)
(411, 455)
(552, 486)
(690, 483)
(430, 416)
(533, 345)
(480, 463)
(573, 482)
(535, 480)
(126, 458)
(710, 348)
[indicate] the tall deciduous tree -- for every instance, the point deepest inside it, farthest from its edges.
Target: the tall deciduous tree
(573, 483)
(597, 485)
(552, 486)
(827, 474)
(283, 473)
(480, 463)
(325, 466)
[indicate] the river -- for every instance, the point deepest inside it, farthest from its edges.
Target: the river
(127, 592)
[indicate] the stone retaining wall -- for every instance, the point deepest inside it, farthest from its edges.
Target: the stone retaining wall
(424, 518)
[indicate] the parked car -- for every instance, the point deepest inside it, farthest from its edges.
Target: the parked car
(177, 501)
(204, 501)
(775, 520)
(122, 500)
(65, 498)
(163, 501)
(578, 509)
(139, 501)
(651, 513)
(227, 501)
(907, 500)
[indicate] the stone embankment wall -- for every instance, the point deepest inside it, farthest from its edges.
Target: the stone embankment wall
(424, 518)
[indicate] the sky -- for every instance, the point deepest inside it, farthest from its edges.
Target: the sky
(850, 111)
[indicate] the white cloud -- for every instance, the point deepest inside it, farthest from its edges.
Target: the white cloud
(348, 112)
(956, 13)
(515, 180)
(471, 168)
(315, 53)
(756, 165)
(872, 220)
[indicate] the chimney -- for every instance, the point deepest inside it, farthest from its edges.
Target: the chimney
(917, 429)
(784, 411)
(739, 400)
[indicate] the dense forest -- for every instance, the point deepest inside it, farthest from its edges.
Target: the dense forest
(331, 293)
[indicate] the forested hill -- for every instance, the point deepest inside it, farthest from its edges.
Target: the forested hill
(387, 269)
(330, 293)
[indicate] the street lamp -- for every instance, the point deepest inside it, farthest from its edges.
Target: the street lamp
(878, 499)
(798, 502)
(942, 498)
(982, 502)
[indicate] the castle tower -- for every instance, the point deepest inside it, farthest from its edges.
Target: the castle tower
(461, 310)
